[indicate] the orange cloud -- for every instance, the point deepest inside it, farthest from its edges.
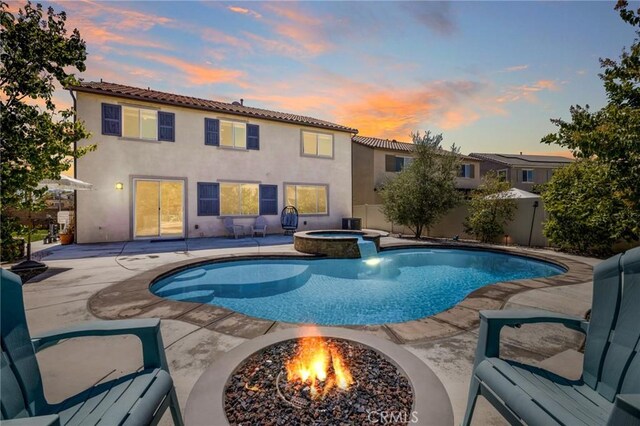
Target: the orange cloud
(526, 91)
(215, 36)
(244, 11)
(194, 73)
(102, 25)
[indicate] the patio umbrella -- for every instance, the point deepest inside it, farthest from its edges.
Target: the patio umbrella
(63, 183)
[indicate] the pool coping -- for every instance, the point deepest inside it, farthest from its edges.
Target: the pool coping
(132, 298)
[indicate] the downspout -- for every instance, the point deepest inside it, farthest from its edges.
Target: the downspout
(533, 218)
(75, 168)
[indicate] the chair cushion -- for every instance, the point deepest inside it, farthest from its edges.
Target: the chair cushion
(538, 396)
(128, 400)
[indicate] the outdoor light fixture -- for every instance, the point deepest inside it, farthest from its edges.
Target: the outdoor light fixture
(373, 261)
(119, 185)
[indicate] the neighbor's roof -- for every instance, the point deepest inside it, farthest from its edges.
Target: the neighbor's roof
(525, 160)
(392, 145)
(129, 92)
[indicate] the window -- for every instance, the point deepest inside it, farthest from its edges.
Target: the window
(467, 171)
(140, 123)
(397, 164)
(527, 176)
(317, 144)
(308, 199)
(239, 199)
(502, 175)
(233, 134)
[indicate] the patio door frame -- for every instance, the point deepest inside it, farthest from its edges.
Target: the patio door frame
(132, 203)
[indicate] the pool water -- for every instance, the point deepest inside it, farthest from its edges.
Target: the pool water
(392, 286)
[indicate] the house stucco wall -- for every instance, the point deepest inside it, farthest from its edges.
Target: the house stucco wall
(105, 213)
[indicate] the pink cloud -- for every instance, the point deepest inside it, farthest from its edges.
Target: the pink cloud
(219, 37)
(197, 74)
(526, 92)
(516, 68)
(244, 11)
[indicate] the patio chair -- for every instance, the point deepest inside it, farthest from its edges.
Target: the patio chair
(138, 398)
(233, 229)
(608, 391)
(260, 227)
(289, 220)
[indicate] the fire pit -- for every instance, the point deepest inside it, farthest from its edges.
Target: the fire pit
(318, 376)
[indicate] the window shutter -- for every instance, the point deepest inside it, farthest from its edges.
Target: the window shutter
(208, 199)
(268, 199)
(253, 136)
(399, 164)
(211, 131)
(390, 163)
(111, 120)
(472, 175)
(166, 126)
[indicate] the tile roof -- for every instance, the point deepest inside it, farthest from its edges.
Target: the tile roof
(129, 92)
(524, 160)
(392, 145)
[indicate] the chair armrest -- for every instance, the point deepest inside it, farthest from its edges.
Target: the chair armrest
(491, 323)
(147, 330)
(48, 420)
(626, 410)
(515, 318)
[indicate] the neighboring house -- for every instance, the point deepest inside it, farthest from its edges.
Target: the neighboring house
(522, 171)
(375, 160)
(171, 166)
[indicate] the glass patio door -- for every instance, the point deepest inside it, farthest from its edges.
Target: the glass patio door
(158, 208)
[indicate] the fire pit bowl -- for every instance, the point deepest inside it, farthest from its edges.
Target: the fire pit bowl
(369, 380)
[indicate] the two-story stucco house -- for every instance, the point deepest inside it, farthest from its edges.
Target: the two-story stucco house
(375, 160)
(172, 166)
(522, 171)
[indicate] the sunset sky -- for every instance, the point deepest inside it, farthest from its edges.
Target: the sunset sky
(489, 75)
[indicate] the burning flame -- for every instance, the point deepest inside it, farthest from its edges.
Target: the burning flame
(320, 364)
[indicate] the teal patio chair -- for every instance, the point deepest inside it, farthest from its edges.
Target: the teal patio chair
(139, 398)
(608, 391)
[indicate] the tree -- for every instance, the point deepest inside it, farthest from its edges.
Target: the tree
(611, 136)
(490, 209)
(424, 190)
(584, 209)
(37, 140)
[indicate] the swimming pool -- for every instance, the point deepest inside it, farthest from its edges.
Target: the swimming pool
(394, 286)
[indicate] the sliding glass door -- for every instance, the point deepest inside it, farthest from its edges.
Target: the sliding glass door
(158, 208)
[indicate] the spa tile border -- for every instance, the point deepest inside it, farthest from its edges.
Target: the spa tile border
(132, 298)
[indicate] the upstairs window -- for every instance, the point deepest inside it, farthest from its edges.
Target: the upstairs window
(317, 144)
(140, 123)
(233, 134)
(527, 176)
(308, 199)
(396, 164)
(467, 171)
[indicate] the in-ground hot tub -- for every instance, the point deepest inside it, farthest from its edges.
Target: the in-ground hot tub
(338, 243)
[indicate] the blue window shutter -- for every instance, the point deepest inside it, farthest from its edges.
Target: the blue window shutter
(111, 120)
(208, 199)
(399, 163)
(268, 199)
(211, 131)
(253, 136)
(166, 126)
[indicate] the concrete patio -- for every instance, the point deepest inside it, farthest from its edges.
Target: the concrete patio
(59, 297)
